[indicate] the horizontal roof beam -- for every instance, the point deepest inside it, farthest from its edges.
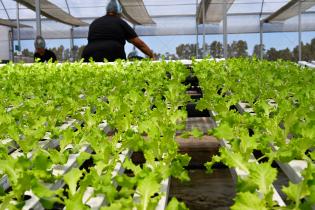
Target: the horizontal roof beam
(289, 10)
(52, 11)
(214, 10)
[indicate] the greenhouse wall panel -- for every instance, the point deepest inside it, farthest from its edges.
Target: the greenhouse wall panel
(4, 43)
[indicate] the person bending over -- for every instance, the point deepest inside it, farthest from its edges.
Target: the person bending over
(108, 35)
(41, 52)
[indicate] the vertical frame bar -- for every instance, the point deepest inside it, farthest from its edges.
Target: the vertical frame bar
(261, 39)
(300, 31)
(197, 32)
(225, 38)
(11, 44)
(72, 56)
(18, 25)
(261, 21)
(38, 18)
(203, 29)
(134, 47)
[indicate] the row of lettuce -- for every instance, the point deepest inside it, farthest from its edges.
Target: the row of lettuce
(281, 124)
(139, 102)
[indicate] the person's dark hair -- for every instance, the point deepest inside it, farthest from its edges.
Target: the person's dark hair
(114, 7)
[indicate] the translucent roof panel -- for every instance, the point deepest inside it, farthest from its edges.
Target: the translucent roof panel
(252, 6)
(3, 14)
(61, 4)
(289, 10)
(312, 9)
(214, 10)
(171, 17)
(10, 6)
(136, 12)
(87, 8)
(256, 6)
(171, 25)
(52, 11)
(171, 8)
(271, 6)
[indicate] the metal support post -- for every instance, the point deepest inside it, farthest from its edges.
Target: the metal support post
(72, 56)
(225, 38)
(197, 33)
(134, 47)
(300, 31)
(11, 44)
(18, 26)
(261, 21)
(38, 18)
(261, 40)
(203, 29)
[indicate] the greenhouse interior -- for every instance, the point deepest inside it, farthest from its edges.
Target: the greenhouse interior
(157, 104)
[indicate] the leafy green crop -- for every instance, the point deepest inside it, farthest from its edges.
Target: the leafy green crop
(140, 103)
(282, 96)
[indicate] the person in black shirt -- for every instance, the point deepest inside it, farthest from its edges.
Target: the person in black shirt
(41, 53)
(108, 35)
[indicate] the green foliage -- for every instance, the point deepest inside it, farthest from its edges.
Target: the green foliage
(140, 102)
(146, 189)
(175, 205)
(281, 128)
(248, 201)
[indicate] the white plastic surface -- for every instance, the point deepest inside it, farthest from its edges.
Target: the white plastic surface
(118, 168)
(4, 43)
(32, 203)
(244, 107)
(67, 124)
(105, 127)
(11, 144)
(307, 64)
(165, 185)
(93, 202)
(4, 182)
(298, 166)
